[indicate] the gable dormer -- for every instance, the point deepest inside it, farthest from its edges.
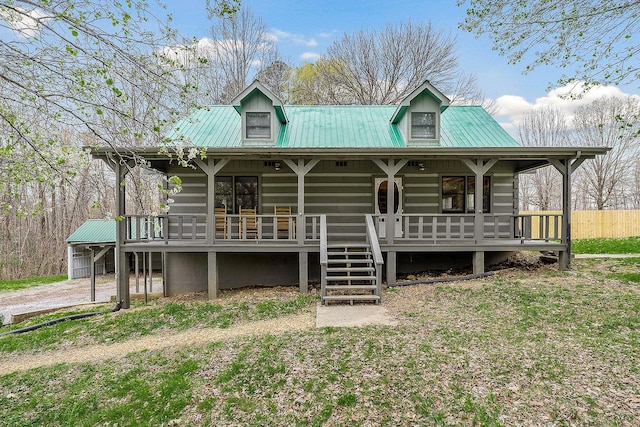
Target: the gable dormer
(262, 115)
(417, 117)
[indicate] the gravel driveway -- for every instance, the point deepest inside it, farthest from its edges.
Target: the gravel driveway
(62, 294)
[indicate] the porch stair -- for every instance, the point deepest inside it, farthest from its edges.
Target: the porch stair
(350, 274)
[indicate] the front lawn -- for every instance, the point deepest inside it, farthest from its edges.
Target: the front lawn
(527, 347)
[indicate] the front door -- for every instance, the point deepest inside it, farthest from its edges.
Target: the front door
(381, 187)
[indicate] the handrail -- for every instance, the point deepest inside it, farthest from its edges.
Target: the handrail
(324, 257)
(372, 240)
(374, 245)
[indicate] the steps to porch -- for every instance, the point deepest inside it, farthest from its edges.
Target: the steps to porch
(350, 274)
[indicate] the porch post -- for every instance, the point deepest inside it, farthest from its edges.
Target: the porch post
(211, 202)
(566, 168)
(211, 168)
(212, 274)
(479, 169)
(303, 258)
(564, 258)
(301, 170)
(122, 267)
(391, 169)
(391, 223)
(93, 275)
(478, 229)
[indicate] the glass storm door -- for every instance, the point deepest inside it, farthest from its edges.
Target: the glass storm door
(381, 188)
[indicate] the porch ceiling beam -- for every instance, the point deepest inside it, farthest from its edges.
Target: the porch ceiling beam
(391, 168)
(297, 168)
(211, 166)
(532, 167)
(479, 167)
(561, 165)
(502, 153)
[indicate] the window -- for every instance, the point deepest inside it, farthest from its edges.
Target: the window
(258, 125)
(423, 125)
(235, 192)
(458, 194)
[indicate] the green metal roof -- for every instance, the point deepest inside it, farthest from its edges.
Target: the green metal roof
(94, 231)
(214, 126)
(353, 126)
(472, 126)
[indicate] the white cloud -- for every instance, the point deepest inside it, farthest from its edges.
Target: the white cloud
(327, 35)
(310, 56)
(276, 35)
(512, 108)
(27, 23)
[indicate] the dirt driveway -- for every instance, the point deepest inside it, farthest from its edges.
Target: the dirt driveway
(62, 294)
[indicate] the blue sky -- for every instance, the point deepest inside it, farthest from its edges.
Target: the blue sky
(304, 29)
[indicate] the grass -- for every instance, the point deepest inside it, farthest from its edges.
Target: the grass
(154, 318)
(627, 270)
(532, 349)
(630, 245)
(14, 285)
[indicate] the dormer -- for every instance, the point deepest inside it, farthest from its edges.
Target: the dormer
(417, 117)
(262, 115)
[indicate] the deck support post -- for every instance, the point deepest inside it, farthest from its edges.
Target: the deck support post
(93, 275)
(391, 268)
(303, 271)
(478, 262)
(122, 267)
(212, 274)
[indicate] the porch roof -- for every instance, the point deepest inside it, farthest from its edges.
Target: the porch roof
(94, 231)
(340, 126)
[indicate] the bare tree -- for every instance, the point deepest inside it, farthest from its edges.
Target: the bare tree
(542, 127)
(276, 74)
(383, 66)
(608, 122)
(239, 47)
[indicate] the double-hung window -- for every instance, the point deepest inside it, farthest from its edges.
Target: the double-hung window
(258, 125)
(423, 125)
(459, 194)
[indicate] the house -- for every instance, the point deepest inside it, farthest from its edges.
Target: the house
(347, 195)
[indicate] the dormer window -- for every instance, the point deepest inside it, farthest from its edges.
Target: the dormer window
(258, 125)
(423, 125)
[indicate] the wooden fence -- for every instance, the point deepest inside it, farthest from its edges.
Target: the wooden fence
(599, 224)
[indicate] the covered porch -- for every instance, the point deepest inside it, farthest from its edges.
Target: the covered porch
(354, 209)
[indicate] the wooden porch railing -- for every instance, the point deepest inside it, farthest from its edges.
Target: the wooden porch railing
(539, 226)
(415, 227)
(140, 228)
(449, 227)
